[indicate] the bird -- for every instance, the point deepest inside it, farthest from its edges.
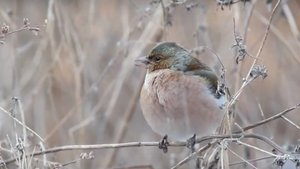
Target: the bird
(179, 96)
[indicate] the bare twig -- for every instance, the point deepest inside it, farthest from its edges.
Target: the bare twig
(92, 147)
(21, 110)
(290, 121)
(244, 160)
(124, 125)
(248, 18)
(235, 137)
(271, 118)
(26, 26)
(279, 34)
(248, 77)
(252, 160)
(22, 29)
(188, 158)
(244, 36)
(214, 53)
(290, 19)
(222, 85)
(83, 156)
(223, 147)
(239, 45)
(23, 125)
(266, 33)
(258, 149)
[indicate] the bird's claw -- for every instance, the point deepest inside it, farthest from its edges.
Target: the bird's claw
(163, 144)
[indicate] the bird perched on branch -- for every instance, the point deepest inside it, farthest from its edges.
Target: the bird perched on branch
(179, 96)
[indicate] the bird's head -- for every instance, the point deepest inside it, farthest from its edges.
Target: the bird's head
(168, 55)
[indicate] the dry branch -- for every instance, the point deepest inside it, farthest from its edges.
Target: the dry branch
(233, 137)
(271, 118)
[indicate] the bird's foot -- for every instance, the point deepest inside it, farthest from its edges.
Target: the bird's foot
(163, 144)
(190, 143)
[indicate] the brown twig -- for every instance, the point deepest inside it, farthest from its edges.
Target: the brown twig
(244, 36)
(252, 160)
(266, 33)
(93, 147)
(238, 156)
(279, 34)
(290, 19)
(238, 136)
(26, 26)
(234, 137)
(271, 118)
(22, 124)
(290, 122)
(124, 125)
(248, 18)
(248, 77)
(188, 158)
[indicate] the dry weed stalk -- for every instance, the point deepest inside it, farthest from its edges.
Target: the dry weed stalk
(220, 144)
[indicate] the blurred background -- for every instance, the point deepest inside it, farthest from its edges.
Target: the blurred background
(75, 81)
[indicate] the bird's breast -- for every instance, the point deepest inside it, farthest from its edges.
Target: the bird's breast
(179, 105)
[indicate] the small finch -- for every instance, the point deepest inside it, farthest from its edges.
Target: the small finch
(179, 96)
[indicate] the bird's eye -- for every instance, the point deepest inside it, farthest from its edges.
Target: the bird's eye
(156, 58)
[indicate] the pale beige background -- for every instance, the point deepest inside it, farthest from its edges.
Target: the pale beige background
(78, 84)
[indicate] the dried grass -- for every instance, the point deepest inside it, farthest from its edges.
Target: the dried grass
(76, 82)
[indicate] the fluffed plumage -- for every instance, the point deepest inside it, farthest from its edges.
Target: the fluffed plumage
(179, 96)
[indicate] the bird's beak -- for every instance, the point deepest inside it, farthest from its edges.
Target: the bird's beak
(142, 61)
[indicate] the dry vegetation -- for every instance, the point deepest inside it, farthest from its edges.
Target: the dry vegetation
(72, 80)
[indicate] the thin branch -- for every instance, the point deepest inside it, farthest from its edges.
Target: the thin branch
(281, 35)
(18, 121)
(222, 155)
(266, 33)
(128, 114)
(216, 55)
(235, 137)
(239, 136)
(244, 160)
(71, 162)
(290, 19)
(248, 77)
(21, 111)
(253, 160)
(188, 158)
(95, 146)
(271, 118)
(246, 27)
(290, 121)
(248, 18)
(258, 149)
(222, 86)
(83, 99)
(24, 28)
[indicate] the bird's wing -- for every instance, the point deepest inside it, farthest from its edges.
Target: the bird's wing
(178, 91)
(209, 75)
(198, 68)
